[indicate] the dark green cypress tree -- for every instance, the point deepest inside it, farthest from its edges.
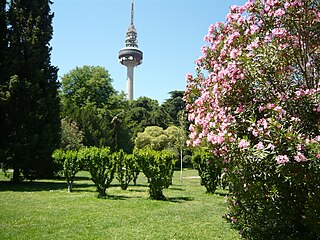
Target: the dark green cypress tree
(33, 115)
(3, 78)
(3, 39)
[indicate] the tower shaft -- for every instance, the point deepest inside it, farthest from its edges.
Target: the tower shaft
(130, 82)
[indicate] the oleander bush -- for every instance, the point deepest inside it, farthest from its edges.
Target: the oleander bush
(255, 102)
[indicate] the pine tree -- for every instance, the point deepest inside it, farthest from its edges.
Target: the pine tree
(33, 115)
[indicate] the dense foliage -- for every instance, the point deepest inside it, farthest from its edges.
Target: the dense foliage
(158, 167)
(125, 168)
(156, 138)
(255, 103)
(71, 136)
(70, 164)
(89, 99)
(30, 123)
(101, 166)
(208, 168)
(174, 106)
(146, 112)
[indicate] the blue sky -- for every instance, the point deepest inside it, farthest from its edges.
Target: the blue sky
(170, 34)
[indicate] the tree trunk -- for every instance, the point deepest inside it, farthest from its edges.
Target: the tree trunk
(102, 192)
(156, 194)
(69, 186)
(16, 174)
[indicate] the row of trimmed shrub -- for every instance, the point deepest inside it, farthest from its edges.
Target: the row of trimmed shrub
(104, 166)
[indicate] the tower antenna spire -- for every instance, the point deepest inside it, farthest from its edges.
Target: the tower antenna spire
(132, 11)
(130, 56)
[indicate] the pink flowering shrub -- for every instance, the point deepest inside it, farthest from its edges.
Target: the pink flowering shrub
(255, 101)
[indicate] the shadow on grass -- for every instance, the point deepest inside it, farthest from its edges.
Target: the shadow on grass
(178, 199)
(139, 185)
(82, 187)
(177, 189)
(117, 197)
(136, 190)
(82, 178)
(40, 186)
(129, 186)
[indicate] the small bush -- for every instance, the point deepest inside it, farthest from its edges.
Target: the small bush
(71, 165)
(135, 169)
(208, 167)
(125, 168)
(158, 167)
(101, 166)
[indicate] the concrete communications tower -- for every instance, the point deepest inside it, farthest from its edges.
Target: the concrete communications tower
(130, 56)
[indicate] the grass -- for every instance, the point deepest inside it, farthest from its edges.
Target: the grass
(45, 210)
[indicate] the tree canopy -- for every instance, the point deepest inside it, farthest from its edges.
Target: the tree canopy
(156, 138)
(28, 87)
(174, 106)
(89, 99)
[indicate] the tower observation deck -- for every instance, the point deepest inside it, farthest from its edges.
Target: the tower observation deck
(130, 56)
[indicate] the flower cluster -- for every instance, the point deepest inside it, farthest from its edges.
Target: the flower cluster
(248, 65)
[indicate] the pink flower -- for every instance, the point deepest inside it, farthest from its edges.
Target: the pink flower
(259, 146)
(254, 29)
(267, 39)
(300, 157)
(234, 9)
(307, 141)
(278, 32)
(318, 155)
(280, 12)
(263, 122)
(287, 5)
(271, 146)
(254, 44)
(220, 139)
(232, 37)
(255, 133)
(188, 76)
(240, 109)
(282, 159)
(295, 119)
(261, 109)
(234, 53)
(243, 143)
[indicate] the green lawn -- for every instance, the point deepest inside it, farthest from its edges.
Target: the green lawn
(45, 210)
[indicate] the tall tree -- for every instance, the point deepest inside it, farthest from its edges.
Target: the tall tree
(3, 39)
(174, 106)
(33, 106)
(146, 112)
(3, 76)
(89, 99)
